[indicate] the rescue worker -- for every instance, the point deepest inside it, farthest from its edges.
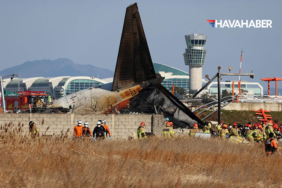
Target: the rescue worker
(269, 129)
(209, 125)
(241, 129)
(33, 129)
(270, 145)
(234, 130)
(276, 130)
(280, 128)
(206, 129)
(230, 127)
(108, 133)
(194, 130)
(99, 132)
(86, 132)
(261, 134)
(141, 131)
(224, 132)
(219, 128)
(250, 133)
(77, 132)
(168, 131)
(257, 131)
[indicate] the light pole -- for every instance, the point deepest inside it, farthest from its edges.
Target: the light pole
(218, 75)
(2, 89)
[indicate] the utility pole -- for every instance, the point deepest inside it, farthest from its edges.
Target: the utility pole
(3, 96)
(219, 95)
(2, 89)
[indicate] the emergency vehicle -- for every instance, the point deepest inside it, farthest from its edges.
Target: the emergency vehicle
(24, 100)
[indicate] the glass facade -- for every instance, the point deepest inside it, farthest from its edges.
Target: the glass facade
(81, 84)
(160, 67)
(15, 85)
(195, 54)
(178, 82)
(63, 81)
(41, 82)
(254, 88)
(178, 77)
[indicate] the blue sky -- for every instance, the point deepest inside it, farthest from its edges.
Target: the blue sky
(88, 32)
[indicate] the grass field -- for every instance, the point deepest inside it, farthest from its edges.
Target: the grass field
(180, 162)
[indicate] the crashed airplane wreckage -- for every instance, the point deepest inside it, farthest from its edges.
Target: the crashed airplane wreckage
(135, 85)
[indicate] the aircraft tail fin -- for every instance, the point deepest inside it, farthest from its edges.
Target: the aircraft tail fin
(134, 63)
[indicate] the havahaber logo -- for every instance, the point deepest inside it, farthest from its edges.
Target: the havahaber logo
(240, 23)
(211, 22)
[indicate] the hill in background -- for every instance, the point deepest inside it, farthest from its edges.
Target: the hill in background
(54, 68)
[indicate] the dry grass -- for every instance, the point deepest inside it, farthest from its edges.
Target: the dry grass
(181, 162)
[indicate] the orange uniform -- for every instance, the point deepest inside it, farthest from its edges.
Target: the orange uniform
(77, 132)
(270, 146)
(107, 130)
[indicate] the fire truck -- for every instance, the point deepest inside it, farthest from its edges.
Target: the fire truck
(24, 100)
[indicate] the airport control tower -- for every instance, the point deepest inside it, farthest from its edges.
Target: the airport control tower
(194, 56)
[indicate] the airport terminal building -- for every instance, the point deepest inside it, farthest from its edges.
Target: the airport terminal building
(172, 76)
(56, 87)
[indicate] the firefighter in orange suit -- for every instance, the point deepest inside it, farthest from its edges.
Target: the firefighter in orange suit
(77, 132)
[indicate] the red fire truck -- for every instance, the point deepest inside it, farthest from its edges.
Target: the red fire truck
(24, 100)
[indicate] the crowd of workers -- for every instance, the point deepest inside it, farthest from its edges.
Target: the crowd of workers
(100, 132)
(265, 133)
(261, 132)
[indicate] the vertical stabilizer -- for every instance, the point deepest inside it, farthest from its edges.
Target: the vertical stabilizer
(134, 63)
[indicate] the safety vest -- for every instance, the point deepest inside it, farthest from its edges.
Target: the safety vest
(250, 135)
(209, 125)
(234, 132)
(223, 133)
(167, 132)
(193, 131)
(140, 130)
(269, 130)
(260, 135)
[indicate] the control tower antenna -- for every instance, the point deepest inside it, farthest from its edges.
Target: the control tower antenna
(241, 63)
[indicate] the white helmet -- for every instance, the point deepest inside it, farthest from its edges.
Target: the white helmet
(98, 123)
(104, 121)
(86, 124)
(79, 122)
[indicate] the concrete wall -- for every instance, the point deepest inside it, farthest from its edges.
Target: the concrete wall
(121, 126)
(277, 107)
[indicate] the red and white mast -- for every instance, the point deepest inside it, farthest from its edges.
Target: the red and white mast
(240, 64)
